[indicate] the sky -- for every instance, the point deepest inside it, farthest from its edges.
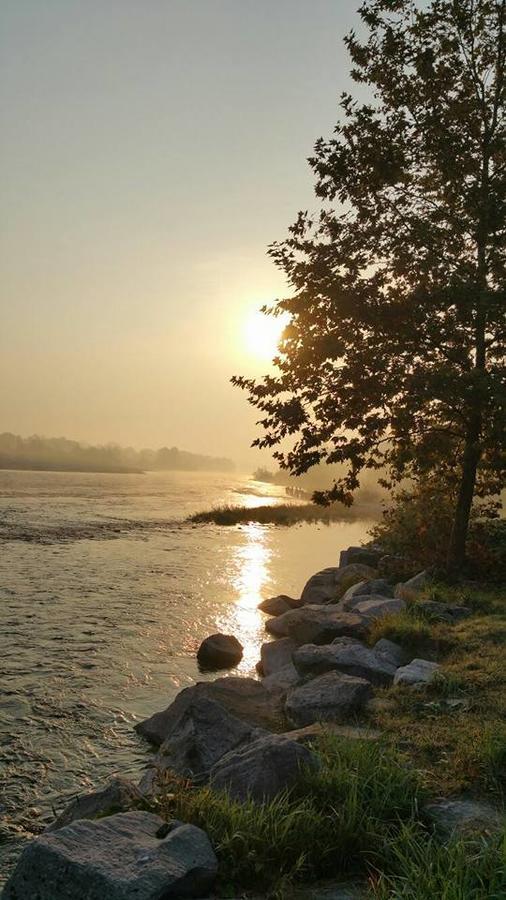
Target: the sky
(150, 151)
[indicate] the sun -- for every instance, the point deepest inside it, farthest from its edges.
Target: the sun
(262, 334)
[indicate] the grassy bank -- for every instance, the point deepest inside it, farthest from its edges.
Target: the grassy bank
(361, 814)
(283, 514)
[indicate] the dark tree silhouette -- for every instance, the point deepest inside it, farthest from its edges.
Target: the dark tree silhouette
(394, 355)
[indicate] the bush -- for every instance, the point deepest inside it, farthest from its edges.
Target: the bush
(417, 525)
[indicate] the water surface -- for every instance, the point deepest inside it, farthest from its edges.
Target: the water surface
(106, 592)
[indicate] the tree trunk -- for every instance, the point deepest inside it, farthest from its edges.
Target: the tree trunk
(457, 549)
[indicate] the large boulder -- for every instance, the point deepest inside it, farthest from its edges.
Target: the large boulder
(219, 651)
(276, 606)
(245, 698)
(275, 655)
(119, 795)
(129, 856)
(282, 679)
(262, 769)
(331, 697)
(375, 606)
(417, 672)
(317, 624)
(351, 658)
(202, 735)
(328, 585)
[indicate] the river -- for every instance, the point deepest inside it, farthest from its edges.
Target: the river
(106, 592)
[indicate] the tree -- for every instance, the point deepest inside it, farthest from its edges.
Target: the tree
(394, 354)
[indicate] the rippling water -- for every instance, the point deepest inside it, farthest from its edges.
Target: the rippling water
(106, 593)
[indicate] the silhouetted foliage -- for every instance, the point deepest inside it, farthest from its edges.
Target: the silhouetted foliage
(394, 355)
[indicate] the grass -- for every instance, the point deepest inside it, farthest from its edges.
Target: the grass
(328, 825)
(421, 868)
(281, 514)
(454, 730)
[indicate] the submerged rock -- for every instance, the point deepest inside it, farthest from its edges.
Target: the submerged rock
(219, 651)
(262, 769)
(245, 698)
(330, 697)
(129, 856)
(418, 671)
(119, 795)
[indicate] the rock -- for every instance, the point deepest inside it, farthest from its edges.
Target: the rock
(365, 589)
(276, 655)
(119, 795)
(418, 671)
(353, 573)
(443, 612)
(352, 659)
(122, 857)
(375, 606)
(331, 697)
(277, 625)
(262, 769)
(276, 606)
(349, 732)
(368, 556)
(328, 585)
(245, 698)
(321, 624)
(409, 590)
(282, 679)
(202, 735)
(392, 652)
(219, 651)
(463, 817)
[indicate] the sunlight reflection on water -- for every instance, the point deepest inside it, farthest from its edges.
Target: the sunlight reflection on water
(250, 579)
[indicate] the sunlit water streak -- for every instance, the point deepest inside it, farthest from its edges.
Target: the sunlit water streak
(105, 596)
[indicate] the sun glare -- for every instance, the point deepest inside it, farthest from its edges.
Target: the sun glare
(262, 334)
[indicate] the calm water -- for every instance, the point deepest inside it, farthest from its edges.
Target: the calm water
(105, 595)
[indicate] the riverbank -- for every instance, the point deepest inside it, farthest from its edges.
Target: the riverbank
(400, 793)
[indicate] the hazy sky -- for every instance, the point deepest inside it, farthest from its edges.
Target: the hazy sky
(150, 151)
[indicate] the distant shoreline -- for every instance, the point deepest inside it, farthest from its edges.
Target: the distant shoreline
(16, 467)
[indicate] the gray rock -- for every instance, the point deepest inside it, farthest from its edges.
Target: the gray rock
(352, 659)
(275, 655)
(330, 697)
(119, 795)
(321, 587)
(418, 671)
(321, 624)
(219, 651)
(122, 857)
(443, 612)
(245, 698)
(464, 817)
(365, 589)
(369, 556)
(392, 652)
(375, 606)
(276, 606)
(262, 769)
(282, 679)
(409, 590)
(201, 736)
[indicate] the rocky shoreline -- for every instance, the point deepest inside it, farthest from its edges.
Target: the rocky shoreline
(248, 739)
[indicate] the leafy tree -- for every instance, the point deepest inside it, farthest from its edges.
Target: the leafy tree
(394, 355)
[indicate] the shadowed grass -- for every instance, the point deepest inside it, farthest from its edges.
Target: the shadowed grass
(421, 868)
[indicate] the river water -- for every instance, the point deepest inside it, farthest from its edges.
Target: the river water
(105, 594)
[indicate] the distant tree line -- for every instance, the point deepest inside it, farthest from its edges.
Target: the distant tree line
(60, 454)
